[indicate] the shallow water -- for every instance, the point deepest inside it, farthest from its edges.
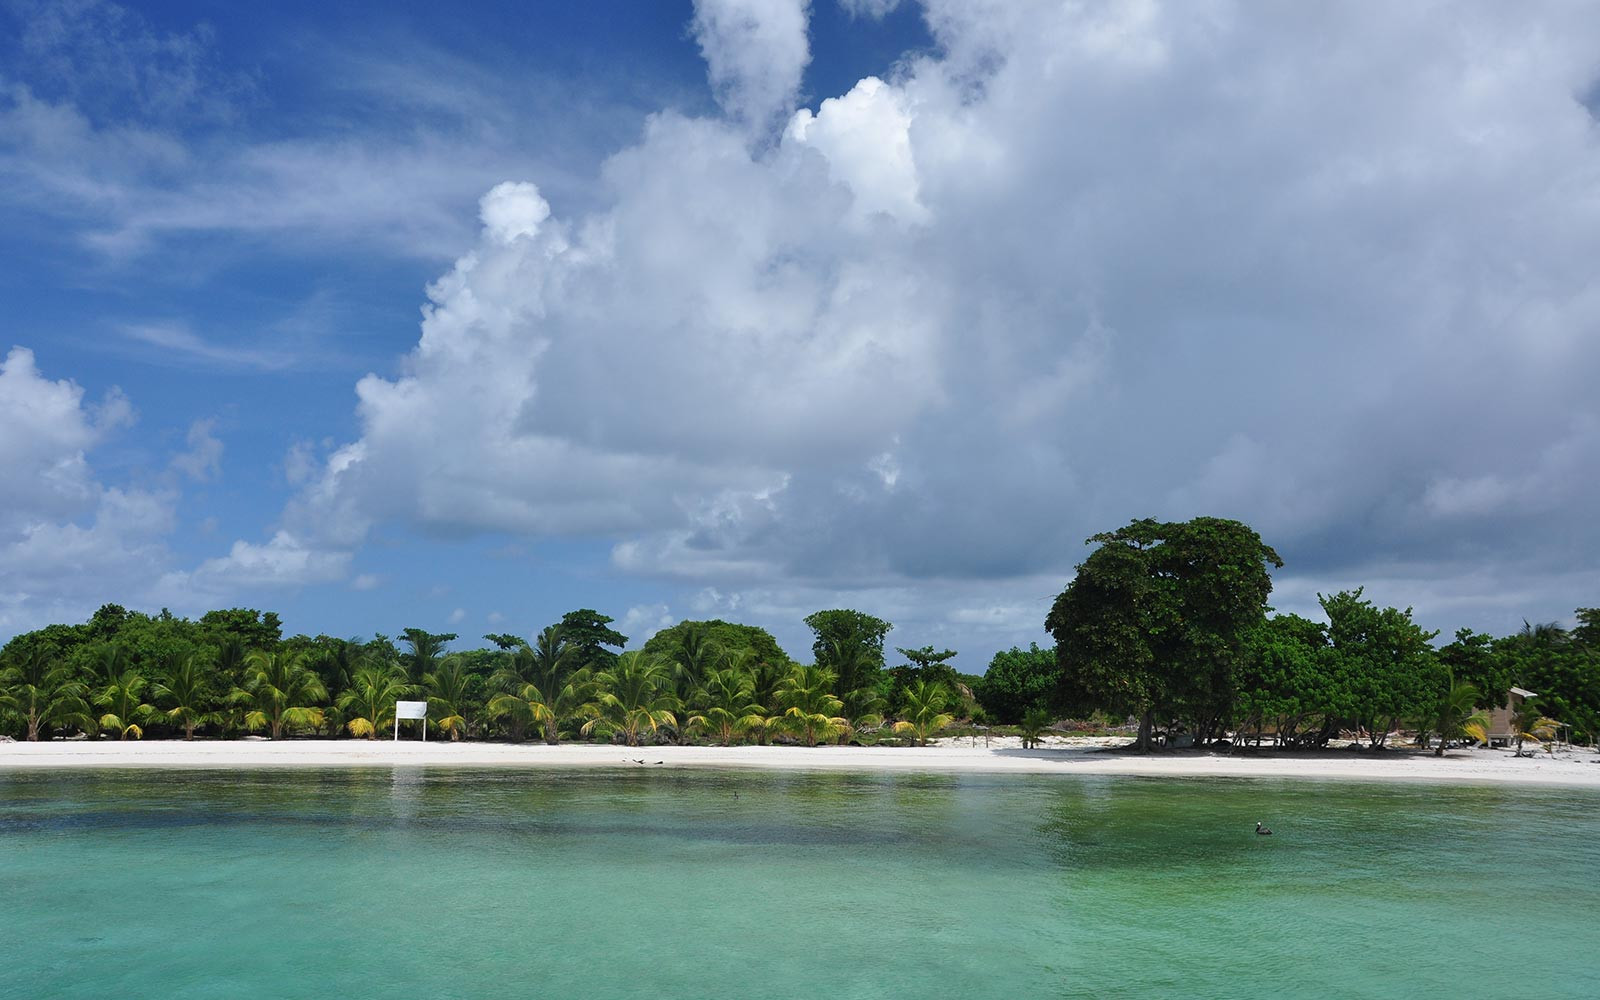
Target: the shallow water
(650, 882)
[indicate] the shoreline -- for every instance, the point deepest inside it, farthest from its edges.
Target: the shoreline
(1062, 756)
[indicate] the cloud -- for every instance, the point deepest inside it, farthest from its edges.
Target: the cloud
(282, 561)
(109, 58)
(44, 440)
(642, 621)
(1323, 269)
(755, 52)
(136, 142)
(203, 460)
(66, 536)
(875, 10)
(177, 345)
(1082, 265)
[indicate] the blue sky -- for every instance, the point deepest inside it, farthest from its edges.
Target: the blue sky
(399, 315)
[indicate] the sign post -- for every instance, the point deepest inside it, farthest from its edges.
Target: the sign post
(411, 710)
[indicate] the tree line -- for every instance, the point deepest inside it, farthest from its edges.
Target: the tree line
(124, 674)
(1168, 622)
(1165, 623)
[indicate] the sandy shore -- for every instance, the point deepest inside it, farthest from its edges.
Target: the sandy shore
(1001, 756)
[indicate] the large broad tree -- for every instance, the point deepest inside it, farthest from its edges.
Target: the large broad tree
(1157, 618)
(1385, 668)
(589, 634)
(1285, 682)
(849, 644)
(1019, 680)
(256, 629)
(678, 643)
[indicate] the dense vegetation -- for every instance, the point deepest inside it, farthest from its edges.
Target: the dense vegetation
(1164, 623)
(124, 674)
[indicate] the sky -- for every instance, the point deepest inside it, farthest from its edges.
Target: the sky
(460, 317)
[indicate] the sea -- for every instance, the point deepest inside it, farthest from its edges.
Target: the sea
(402, 882)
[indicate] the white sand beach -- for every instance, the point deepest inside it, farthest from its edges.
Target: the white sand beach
(1002, 755)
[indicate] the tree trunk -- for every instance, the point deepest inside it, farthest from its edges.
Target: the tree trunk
(1146, 724)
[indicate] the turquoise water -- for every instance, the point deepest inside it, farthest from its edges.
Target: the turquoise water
(658, 883)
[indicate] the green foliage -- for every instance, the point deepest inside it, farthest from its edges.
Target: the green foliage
(426, 649)
(1471, 658)
(1164, 620)
(281, 691)
(368, 703)
(1284, 681)
(1157, 619)
(1455, 715)
(589, 633)
(42, 691)
(188, 692)
(633, 698)
(845, 626)
(729, 638)
(1383, 666)
(726, 701)
(1035, 721)
(454, 696)
(925, 710)
(810, 709)
(538, 687)
(1019, 681)
(1563, 669)
(122, 698)
(254, 629)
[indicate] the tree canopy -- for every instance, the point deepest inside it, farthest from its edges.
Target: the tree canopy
(1157, 618)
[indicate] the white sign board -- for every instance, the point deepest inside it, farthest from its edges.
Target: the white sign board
(411, 710)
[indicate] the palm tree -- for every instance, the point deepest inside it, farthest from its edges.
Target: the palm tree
(506, 683)
(810, 708)
(1034, 723)
(697, 657)
(280, 690)
(426, 648)
(729, 705)
(109, 660)
(539, 686)
(1529, 723)
(925, 710)
(1456, 715)
(369, 700)
(851, 660)
(768, 675)
(189, 689)
(546, 709)
(42, 690)
(123, 699)
(634, 696)
(451, 688)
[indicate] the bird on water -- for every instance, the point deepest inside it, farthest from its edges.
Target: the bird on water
(1262, 831)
